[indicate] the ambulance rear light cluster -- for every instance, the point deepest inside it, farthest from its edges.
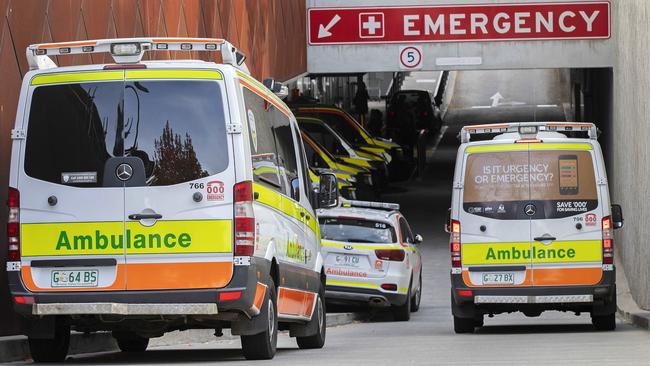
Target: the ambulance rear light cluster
(608, 241)
(131, 50)
(13, 226)
(244, 219)
(454, 244)
(529, 129)
(396, 255)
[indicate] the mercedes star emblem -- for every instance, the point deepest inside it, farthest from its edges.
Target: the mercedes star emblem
(530, 209)
(124, 172)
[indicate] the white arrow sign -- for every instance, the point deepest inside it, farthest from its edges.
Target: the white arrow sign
(496, 98)
(324, 31)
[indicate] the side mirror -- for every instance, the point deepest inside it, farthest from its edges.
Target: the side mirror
(617, 216)
(418, 239)
(273, 85)
(295, 189)
(448, 222)
(328, 192)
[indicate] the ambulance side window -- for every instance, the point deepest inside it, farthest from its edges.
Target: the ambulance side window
(262, 141)
(286, 151)
(405, 230)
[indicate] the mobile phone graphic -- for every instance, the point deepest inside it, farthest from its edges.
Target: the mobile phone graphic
(568, 168)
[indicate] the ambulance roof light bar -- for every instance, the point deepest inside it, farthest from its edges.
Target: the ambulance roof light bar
(528, 128)
(369, 204)
(131, 50)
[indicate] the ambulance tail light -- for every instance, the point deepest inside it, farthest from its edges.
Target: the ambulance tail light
(608, 241)
(396, 255)
(454, 244)
(13, 226)
(244, 219)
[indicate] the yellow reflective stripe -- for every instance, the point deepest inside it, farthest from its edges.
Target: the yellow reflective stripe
(526, 147)
(520, 253)
(286, 205)
(400, 290)
(347, 168)
(77, 77)
(263, 88)
(357, 161)
(108, 238)
(173, 74)
(368, 155)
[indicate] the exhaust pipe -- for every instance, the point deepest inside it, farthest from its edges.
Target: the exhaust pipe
(378, 302)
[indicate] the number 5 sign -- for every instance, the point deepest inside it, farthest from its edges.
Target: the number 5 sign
(410, 57)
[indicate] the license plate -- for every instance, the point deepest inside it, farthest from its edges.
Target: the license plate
(348, 260)
(75, 278)
(499, 278)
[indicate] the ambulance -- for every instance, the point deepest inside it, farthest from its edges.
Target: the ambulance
(371, 257)
(152, 196)
(531, 224)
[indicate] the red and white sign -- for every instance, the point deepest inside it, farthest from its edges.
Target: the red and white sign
(460, 23)
(410, 57)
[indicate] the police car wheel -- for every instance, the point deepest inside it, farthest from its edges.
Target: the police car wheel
(131, 342)
(262, 346)
(51, 350)
(464, 325)
(415, 300)
(317, 340)
(402, 313)
(604, 322)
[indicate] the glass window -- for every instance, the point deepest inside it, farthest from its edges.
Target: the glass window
(407, 235)
(355, 230)
(71, 132)
(286, 149)
(324, 137)
(177, 128)
(340, 125)
(262, 141)
(314, 158)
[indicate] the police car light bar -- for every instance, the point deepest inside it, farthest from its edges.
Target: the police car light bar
(528, 128)
(131, 50)
(369, 204)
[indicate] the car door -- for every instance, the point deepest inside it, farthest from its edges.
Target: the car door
(408, 241)
(179, 200)
(566, 229)
(72, 210)
(495, 229)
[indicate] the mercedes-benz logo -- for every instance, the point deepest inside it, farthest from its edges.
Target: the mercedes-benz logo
(124, 172)
(530, 209)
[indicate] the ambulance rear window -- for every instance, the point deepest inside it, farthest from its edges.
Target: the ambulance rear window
(354, 230)
(558, 183)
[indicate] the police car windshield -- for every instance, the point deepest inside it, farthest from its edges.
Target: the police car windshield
(354, 230)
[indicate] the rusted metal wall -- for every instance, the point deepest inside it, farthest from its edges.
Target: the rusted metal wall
(270, 32)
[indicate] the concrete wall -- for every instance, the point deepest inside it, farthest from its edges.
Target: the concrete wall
(631, 142)
(270, 32)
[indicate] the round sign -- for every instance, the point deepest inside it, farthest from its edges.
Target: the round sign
(410, 57)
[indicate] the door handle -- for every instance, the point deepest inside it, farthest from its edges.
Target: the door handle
(545, 238)
(145, 216)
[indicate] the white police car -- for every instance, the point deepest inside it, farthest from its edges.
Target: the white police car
(371, 257)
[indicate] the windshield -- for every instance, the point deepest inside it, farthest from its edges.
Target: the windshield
(356, 231)
(325, 138)
(411, 98)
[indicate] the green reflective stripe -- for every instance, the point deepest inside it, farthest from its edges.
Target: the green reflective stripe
(400, 290)
(286, 205)
(174, 74)
(77, 77)
(525, 147)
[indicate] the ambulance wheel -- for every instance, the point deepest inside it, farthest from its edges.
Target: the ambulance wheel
(415, 300)
(51, 350)
(464, 325)
(317, 340)
(262, 346)
(402, 313)
(604, 322)
(131, 342)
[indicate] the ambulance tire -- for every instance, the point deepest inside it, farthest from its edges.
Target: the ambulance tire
(319, 317)
(131, 342)
(262, 346)
(604, 322)
(51, 350)
(417, 297)
(464, 325)
(402, 313)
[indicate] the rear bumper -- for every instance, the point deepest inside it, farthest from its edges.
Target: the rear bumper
(123, 309)
(371, 297)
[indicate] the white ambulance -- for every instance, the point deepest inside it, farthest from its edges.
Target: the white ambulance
(531, 224)
(148, 197)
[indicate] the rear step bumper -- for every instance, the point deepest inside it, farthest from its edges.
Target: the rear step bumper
(372, 297)
(123, 309)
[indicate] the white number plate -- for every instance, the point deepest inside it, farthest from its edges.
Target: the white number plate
(74, 278)
(348, 260)
(497, 278)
